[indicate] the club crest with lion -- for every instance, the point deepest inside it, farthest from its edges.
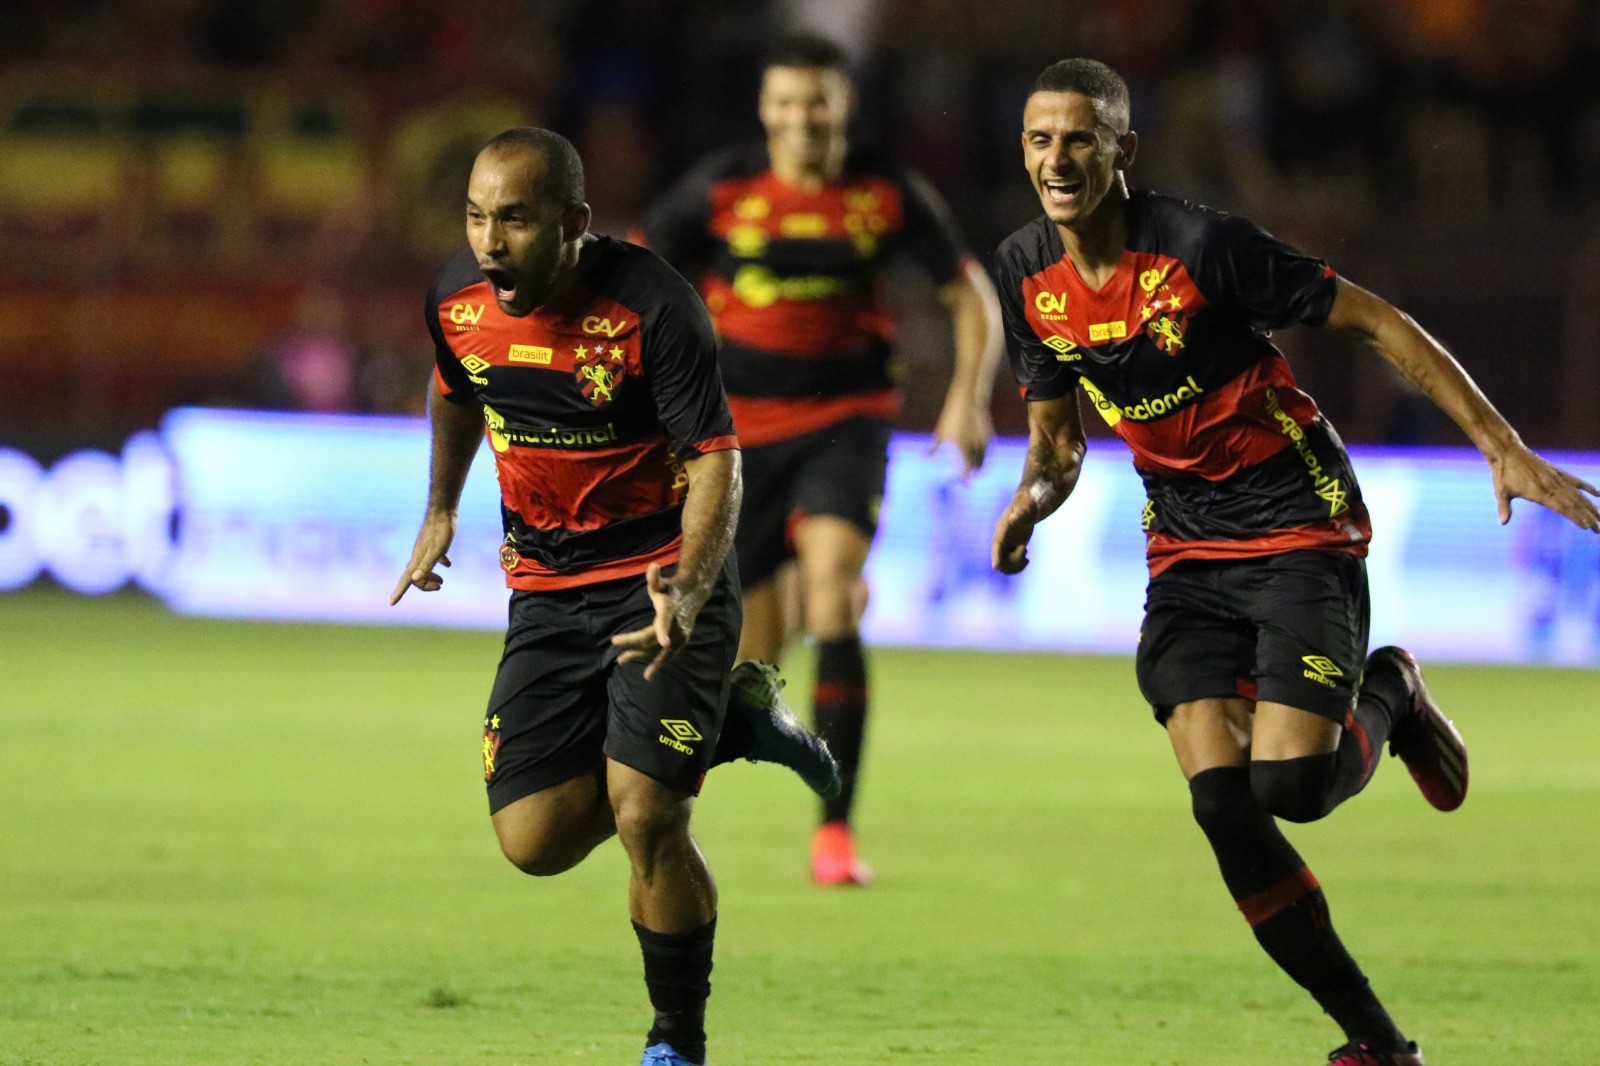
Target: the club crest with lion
(599, 371)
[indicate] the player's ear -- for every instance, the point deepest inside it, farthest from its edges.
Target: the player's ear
(575, 221)
(1127, 148)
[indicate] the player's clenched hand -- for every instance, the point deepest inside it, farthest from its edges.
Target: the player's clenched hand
(433, 540)
(1521, 474)
(1009, 553)
(967, 426)
(676, 610)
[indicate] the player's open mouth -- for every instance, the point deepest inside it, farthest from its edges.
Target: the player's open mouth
(1062, 190)
(503, 284)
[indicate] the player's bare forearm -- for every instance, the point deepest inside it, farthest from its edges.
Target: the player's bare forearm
(1517, 471)
(975, 322)
(1050, 470)
(710, 513)
(1056, 447)
(456, 430)
(1424, 362)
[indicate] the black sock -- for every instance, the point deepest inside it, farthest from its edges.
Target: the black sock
(1307, 788)
(677, 971)
(840, 708)
(1284, 905)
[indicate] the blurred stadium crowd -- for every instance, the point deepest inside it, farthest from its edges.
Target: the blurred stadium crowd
(242, 201)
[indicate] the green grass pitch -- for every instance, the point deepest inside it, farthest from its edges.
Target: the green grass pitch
(251, 843)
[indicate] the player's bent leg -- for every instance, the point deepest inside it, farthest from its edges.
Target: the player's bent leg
(833, 557)
(760, 727)
(1294, 762)
(771, 616)
(673, 902)
(1269, 882)
(552, 830)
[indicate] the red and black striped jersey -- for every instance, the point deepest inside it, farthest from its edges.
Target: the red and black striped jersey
(792, 278)
(591, 404)
(1174, 352)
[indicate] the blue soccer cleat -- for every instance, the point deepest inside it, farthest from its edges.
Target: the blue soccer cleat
(779, 736)
(665, 1055)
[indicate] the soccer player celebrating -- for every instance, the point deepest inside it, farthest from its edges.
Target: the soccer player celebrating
(1253, 650)
(593, 366)
(791, 240)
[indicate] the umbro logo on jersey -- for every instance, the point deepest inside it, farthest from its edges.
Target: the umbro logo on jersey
(1065, 350)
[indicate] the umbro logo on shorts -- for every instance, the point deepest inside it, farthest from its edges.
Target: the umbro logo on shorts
(678, 732)
(1322, 670)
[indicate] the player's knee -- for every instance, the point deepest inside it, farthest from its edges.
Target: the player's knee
(540, 856)
(645, 826)
(1295, 790)
(1221, 799)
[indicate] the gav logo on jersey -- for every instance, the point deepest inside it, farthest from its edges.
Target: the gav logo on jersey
(599, 371)
(1052, 306)
(465, 316)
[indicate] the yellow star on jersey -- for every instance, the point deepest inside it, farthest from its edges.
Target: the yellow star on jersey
(494, 723)
(581, 352)
(1174, 301)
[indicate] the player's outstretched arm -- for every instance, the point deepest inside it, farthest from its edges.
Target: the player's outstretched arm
(975, 319)
(1049, 474)
(1517, 471)
(710, 512)
(457, 428)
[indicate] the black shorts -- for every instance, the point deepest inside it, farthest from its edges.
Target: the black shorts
(1288, 629)
(562, 703)
(838, 470)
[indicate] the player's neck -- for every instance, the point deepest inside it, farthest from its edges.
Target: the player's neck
(809, 173)
(1095, 246)
(568, 271)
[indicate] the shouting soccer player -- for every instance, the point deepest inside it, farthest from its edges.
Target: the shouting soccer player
(593, 366)
(1253, 650)
(791, 240)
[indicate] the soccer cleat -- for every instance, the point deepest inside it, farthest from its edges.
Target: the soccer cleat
(665, 1055)
(833, 857)
(1359, 1054)
(779, 736)
(1426, 741)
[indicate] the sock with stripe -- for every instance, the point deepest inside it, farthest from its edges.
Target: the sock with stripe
(840, 708)
(1286, 909)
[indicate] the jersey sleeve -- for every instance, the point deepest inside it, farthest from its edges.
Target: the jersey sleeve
(680, 362)
(448, 371)
(677, 227)
(1040, 375)
(931, 236)
(1246, 269)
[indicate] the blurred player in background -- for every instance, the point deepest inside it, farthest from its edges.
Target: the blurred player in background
(1253, 649)
(593, 366)
(791, 240)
